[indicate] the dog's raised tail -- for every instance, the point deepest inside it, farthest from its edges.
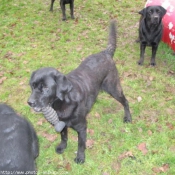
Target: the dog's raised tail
(112, 38)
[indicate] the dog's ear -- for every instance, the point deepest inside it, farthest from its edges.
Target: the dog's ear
(163, 10)
(143, 12)
(63, 86)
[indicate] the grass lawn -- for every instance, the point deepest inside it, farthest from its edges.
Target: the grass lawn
(32, 37)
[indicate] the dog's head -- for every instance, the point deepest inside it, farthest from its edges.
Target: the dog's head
(47, 85)
(153, 14)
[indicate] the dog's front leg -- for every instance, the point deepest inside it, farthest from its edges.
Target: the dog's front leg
(62, 146)
(81, 146)
(154, 50)
(142, 51)
(72, 9)
(63, 8)
(51, 6)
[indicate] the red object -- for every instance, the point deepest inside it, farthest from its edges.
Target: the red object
(168, 20)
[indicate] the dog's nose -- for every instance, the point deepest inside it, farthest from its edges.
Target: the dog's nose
(31, 103)
(156, 17)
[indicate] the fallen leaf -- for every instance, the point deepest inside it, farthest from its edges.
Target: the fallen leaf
(90, 131)
(125, 154)
(68, 167)
(41, 121)
(151, 78)
(110, 121)
(116, 166)
(97, 115)
(105, 173)
(139, 99)
(161, 169)
(170, 125)
(150, 132)
(142, 147)
(74, 138)
(2, 79)
(50, 137)
(164, 168)
(89, 143)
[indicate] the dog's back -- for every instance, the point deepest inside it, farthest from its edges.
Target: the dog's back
(18, 142)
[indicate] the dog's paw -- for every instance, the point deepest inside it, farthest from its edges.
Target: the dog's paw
(140, 63)
(127, 120)
(60, 148)
(64, 19)
(72, 17)
(153, 64)
(79, 160)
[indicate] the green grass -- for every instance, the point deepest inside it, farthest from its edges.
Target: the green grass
(31, 37)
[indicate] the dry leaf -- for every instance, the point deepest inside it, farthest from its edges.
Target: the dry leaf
(142, 147)
(150, 132)
(89, 143)
(50, 137)
(2, 79)
(139, 99)
(116, 166)
(97, 115)
(68, 167)
(125, 154)
(161, 169)
(90, 131)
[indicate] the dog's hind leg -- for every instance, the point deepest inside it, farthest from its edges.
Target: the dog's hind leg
(51, 6)
(112, 86)
(62, 146)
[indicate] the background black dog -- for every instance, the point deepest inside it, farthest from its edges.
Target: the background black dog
(150, 30)
(63, 8)
(18, 142)
(73, 95)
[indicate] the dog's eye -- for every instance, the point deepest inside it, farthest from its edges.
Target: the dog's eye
(33, 86)
(44, 89)
(158, 11)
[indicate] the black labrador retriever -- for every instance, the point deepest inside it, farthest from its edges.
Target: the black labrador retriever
(150, 30)
(18, 143)
(63, 8)
(73, 95)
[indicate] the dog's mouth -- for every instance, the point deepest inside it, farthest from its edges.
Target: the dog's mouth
(37, 109)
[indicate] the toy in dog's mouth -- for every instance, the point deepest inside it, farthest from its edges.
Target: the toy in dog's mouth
(52, 117)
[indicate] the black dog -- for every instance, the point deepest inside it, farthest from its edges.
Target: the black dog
(18, 142)
(63, 8)
(150, 30)
(73, 95)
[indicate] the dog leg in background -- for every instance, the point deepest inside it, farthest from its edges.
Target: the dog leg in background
(154, 50)
(51, 6)
(63, 8)
(72, 9)
(142, 52)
